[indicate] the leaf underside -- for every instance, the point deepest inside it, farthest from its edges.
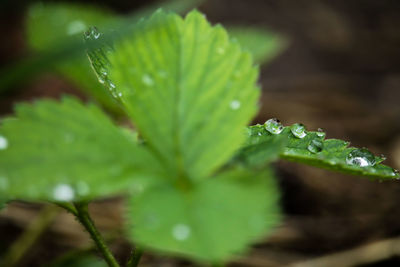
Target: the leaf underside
(333, 155)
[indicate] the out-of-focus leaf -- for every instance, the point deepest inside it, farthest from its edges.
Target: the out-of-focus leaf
(70, 49)
(264, 45)
(212, 222)
(53, 25)
(313, 149)
(188, 88)
(68, 151)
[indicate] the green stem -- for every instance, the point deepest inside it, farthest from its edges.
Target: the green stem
(84, 218)
(134, 259)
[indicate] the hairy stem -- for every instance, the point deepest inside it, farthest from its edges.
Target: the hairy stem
(84, 218)
(134, 259)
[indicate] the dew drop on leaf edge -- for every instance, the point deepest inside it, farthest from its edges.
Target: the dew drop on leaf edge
(92, 33)
(321, 133)
(273, 126)
(315, 146)
(298, 130)
(361, 157)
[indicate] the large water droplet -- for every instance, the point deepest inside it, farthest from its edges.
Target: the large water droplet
(92, 33)
(3, 142)
(235, 104)
(76, 26)
(63, 192)
(181, 232)
(321, 133)
(147, 80)
(3, 183)
(361, 157)
(298, 130)
(315, 146)
(273, 126)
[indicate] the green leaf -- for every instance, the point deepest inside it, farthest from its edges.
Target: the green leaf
(215, 220)
(189, 90)
(264, 45)
(69, 151)
(54, 25)
(313, 149)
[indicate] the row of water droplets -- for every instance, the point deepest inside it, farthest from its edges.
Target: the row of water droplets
(361, 157)
(98, 58)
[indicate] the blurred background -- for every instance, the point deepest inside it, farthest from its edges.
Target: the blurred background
(339, 69)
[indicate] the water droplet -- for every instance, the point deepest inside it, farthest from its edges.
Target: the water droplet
(315, 146)
(92, 33)
(273, 126)
(3, 142)
(120, 94)
(75, 27)
(259, 133)
(181, 232)
(361, 157)
(147, 80)
(63, 192)
(321, 133)
(3, 183)
(298, 130)
(235, 104)
(221, 50)
(82, 188)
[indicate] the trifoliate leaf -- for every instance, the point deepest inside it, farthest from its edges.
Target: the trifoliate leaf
(68, 151)
(213, 221)
(264, 45)
(312, 148)
(188, 88)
